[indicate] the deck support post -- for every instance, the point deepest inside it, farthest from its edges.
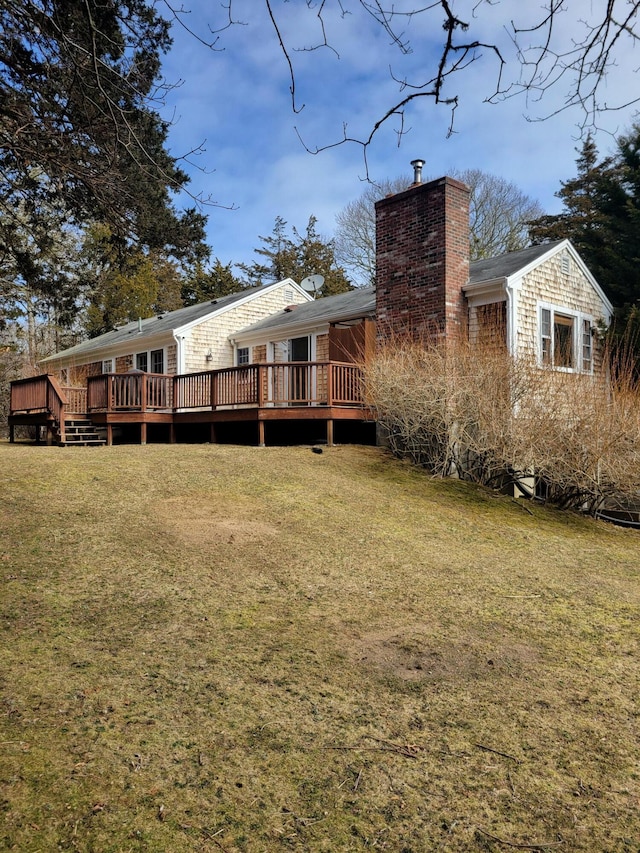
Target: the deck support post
(329, 432)
(12, 433)
(212, 433)
(143, 433)
(261, 434)
(172, 433)
(109, 435)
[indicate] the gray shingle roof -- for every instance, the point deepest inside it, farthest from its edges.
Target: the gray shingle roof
(503, 266)
(344, 306)
(151, 326)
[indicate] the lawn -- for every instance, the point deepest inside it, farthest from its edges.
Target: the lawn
(214, 648)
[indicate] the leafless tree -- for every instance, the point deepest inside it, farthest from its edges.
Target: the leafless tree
(499, 213)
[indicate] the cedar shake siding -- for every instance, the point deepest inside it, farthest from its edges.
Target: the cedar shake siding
(422, 260)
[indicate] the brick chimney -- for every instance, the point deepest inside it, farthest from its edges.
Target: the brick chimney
(422, 259)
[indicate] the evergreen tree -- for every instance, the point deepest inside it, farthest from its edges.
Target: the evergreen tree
(141, 286)
(296, 257)
(202, 285)
(601, 217)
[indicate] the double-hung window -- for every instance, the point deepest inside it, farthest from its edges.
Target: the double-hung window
(242, 356)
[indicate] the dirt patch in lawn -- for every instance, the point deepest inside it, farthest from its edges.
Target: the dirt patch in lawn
(412, 655)
(208, 524)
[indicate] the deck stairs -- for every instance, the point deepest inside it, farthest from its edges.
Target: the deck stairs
(78, 432)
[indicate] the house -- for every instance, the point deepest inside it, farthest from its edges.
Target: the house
(544, 298)
(270, 359)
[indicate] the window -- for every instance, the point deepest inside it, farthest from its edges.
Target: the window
(157, 361)
(150, 362)
(242, 356)
(563, 355)
(107, 365)
(565, 340)
(587, 349)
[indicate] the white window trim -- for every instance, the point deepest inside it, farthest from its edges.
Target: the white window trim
(579, 319)
(111, 368)
(249, 354)
(148, 354)
(271, 346)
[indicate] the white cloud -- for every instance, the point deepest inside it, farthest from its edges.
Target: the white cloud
(239, 101)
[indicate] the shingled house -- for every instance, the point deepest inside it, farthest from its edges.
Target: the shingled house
(271, 358)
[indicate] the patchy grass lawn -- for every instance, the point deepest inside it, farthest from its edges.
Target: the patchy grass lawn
(217, 648)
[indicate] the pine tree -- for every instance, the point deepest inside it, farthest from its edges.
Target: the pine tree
(202, 285)
(296, 257)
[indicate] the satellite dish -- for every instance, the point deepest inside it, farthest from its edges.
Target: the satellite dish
(312, 283)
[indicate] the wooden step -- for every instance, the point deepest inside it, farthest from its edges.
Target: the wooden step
(79, 432)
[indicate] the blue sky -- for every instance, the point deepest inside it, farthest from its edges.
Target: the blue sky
(234, 100)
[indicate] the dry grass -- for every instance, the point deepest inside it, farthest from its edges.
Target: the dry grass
(231, 649)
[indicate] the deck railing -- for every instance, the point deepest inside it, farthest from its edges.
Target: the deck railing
(76, 400)
(138, 392)
(286, 384)
(311, 383)
(39, 395)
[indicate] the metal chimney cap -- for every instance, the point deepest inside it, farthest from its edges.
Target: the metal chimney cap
(417, 171)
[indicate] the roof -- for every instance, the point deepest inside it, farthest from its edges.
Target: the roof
(502, 266)
(357, 303)
(151, 327)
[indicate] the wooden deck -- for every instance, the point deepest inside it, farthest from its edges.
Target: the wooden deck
(196, 404)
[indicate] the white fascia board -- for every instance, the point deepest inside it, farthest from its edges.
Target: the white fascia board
(490, 287)
(289, 282)
(567, 245)
(589, 276)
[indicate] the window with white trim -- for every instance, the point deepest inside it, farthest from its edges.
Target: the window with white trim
(151, 361)
(565, 340)
(107, 365)
(157, 360)
(587, 347)
(242, 356)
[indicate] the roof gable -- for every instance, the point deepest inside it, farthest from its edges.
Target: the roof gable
(167, 324)
(514, 265)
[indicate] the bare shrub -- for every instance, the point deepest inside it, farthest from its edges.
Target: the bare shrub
(480, 414)
(582, 434)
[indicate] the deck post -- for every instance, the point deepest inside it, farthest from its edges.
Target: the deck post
(109, 435)
(261, 384)
(172, 433)
(261, 433)
(143, 432)
(329, 432)
(12, 433)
